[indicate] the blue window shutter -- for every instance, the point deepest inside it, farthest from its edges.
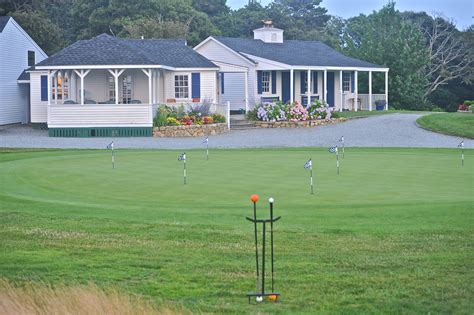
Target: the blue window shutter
(222, 82)
(302, 78)
(315, 82)
(352, 81)
(44, 88)
(259, 82)
(274, 82)
(196, 85)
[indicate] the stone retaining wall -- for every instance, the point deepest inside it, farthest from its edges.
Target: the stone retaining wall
(190, 131)
(297, 124)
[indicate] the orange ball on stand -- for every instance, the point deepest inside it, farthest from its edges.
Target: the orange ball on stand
(254, 198)
(273, 297)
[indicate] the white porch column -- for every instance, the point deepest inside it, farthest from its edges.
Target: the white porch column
(116, 74)
(370, 90)
(82, 74)
(158, 77)
(386, 90)
(292, 92)
(49, 87)
(148, 74)
(355, 91)
(340, 91)
(55, 82)
(308, 90)
(246, 90)
(325, 83)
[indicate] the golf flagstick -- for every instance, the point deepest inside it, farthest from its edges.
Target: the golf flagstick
(206, 141)
(309, 164)
(254, 199)
(334, 150)
(110, 146)
(342, 140)
(461, 145)
(270, 200)
(182, 157)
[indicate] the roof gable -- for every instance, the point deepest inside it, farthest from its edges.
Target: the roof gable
(107, 50)
(294, 52)
(3, 22)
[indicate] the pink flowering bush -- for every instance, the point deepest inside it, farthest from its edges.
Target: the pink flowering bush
(296, 112)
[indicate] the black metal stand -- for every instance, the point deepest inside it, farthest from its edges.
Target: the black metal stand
(261, 276)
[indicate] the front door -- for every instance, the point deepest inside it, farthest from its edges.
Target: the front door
(285, 86)
(330, 96)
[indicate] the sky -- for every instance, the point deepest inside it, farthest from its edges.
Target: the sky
(460, 11)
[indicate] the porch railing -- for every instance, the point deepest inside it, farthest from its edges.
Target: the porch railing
(100, 115)
(364, 100)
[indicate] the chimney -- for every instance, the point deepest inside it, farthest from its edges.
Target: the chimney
(268, 33)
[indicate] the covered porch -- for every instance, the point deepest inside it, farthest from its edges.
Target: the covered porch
(338, 87)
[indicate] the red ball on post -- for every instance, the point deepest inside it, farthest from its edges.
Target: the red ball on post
(254, 198)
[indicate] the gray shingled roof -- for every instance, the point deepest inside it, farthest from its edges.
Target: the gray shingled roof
(3, 22)
(108, 50)
(294, 52)
(25, 76)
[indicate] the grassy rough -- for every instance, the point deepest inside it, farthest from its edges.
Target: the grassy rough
(392, 234)
(456, 124)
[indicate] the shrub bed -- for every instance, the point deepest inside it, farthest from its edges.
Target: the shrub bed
(186, 115)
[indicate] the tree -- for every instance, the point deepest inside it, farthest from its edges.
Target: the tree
(155, 28)
(385, 38)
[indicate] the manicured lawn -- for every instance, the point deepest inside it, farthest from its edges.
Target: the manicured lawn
(392, 234)
(456, 124)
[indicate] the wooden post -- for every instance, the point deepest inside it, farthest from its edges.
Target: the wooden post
(148, 74)
(386, 90)
(49, 87)
(308, 87)
(292, 92)
(116, 74)
(247, 90)
(325, 83)
(340, 90)
(55, 82)
(355, 91)
(370, 90)
(82, 74)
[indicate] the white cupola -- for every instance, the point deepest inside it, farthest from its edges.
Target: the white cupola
(268, 33)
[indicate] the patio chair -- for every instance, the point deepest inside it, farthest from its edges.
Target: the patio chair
(69, 102)
(90, 102)
(135, 102)
(109, 102)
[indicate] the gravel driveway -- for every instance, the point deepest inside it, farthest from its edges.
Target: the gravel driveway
(391, 130)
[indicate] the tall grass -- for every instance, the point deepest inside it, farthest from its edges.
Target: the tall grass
(41, 299)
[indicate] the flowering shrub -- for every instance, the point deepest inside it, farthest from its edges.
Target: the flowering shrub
(293, 112)
(206, 120)
(272, 112)
(186, 115)
(171, 121)
(318, 110)
(296, 112)
(462, 107)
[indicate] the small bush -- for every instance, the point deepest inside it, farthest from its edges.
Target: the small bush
(217, 118)
(206, 120)
(252, 114)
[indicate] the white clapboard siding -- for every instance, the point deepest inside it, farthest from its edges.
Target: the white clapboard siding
(39, 109)
(216, 52)
(14, 46)
(234, 84)
(100, 115)
(208, 85)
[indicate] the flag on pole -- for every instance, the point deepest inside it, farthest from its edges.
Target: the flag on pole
(206, 141)
(110, 146)
(461, 145)
(182, 157)
(309, 165)
(334, 150)
(342, 141)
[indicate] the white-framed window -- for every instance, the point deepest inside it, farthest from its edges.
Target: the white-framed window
(126, 89)
(346, 81)
(111, 88)
(181, 86)
(266, 81)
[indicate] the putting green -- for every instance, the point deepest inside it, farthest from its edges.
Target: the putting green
(391, 233)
